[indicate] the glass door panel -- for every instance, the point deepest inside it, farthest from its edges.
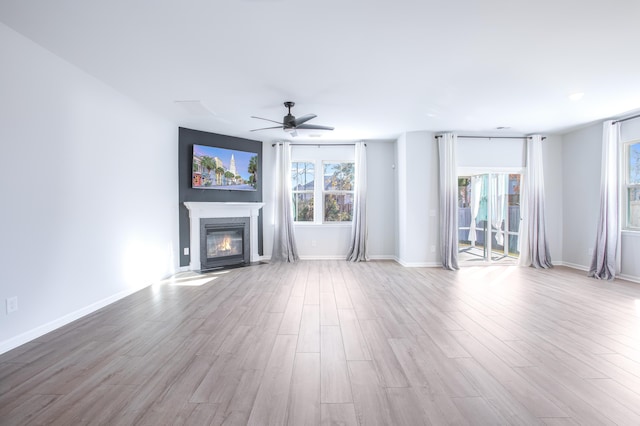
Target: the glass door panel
(488, 217)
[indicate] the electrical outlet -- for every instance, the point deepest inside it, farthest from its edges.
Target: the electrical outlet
(185, 251)
(433, 249)
(12, 304)
(314, 243)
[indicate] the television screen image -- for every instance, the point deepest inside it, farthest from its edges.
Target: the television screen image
(226, 169)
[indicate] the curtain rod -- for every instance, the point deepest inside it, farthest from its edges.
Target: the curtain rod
(493, 137)
(317, 144)
(625, 119)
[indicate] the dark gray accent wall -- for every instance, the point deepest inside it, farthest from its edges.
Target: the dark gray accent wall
(186, 139)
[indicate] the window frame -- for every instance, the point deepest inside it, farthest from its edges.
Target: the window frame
(312, 192)
(626, 185)
(337, 192)
(319, 192)
(463, 171)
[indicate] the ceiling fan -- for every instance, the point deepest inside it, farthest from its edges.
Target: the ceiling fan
(291, 123)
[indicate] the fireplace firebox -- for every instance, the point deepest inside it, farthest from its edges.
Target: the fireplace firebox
(224, 242)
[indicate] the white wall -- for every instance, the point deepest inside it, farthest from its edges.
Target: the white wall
(331, 241)
(268, 194)
(401, 196)
(322, 241)
(490, 153)
(552, 163)
(418, 232)
(582, 154)
(417, 206)
(381, 199)
(88, 182)
(505, 154)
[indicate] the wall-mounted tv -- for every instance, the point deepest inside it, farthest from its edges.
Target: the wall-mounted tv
(224, 169)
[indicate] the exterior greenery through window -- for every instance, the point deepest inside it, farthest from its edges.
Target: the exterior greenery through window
(338, 192)
(632, 183)
(302, 189)
(335, 192)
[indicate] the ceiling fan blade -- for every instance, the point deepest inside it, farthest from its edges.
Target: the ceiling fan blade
(267, 128)
(266, 119)
(298, 121)
(313, 127)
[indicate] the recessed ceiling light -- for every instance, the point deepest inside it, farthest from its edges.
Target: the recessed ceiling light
(502, 127)
(576, 96)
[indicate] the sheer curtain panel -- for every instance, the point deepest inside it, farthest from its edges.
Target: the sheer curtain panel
(358, 247)
(448, 201)
(534, 247)
(498, 201)
(605, 263)
(284, 241)
(476, 189)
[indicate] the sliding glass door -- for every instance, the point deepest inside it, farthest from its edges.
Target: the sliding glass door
(488, 217)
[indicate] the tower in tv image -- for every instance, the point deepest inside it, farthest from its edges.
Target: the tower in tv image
(225, 169)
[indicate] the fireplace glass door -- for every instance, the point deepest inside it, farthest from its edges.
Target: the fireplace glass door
(224, 242)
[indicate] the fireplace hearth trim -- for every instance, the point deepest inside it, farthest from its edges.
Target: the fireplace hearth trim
(198, 210)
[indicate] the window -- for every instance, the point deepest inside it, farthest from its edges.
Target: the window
(338, 191)
(632, 185)
(329, 201)
(302, 190)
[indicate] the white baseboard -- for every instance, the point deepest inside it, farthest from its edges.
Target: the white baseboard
(332, 257)
(41, 330)
(586, 269)
(378, 257)
(571, 265)
(629, 278)
(383, 257)
(336, 257)
(419, 264)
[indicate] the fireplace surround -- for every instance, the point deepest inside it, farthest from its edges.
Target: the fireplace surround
(211, 210)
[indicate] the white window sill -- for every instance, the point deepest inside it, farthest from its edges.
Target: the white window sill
(631, 233)
(322, 225)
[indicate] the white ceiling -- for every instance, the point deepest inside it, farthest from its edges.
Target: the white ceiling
(371, 68)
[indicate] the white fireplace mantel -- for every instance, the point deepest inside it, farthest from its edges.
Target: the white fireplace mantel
(204, 210)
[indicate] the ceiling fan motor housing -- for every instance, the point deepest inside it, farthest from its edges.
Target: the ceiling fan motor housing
(288, 120)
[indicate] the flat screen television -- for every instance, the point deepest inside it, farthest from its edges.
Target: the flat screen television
(224, 169)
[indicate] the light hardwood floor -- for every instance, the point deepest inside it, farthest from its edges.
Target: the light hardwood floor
(331, 342)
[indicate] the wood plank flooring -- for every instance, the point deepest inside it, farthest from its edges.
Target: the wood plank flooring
(336, 343)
